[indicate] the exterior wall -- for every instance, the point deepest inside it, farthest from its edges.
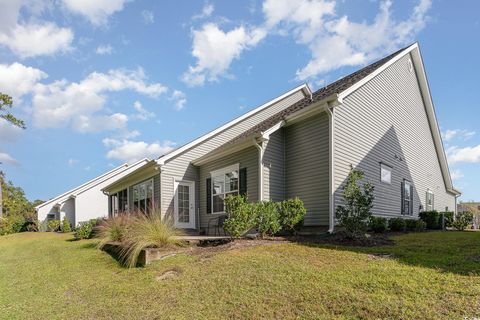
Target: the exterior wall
(306, 166)
(385, 121)
(180, 167)
(274, 167)
(247, 158)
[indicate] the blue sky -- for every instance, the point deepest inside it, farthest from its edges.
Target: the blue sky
(102, 82)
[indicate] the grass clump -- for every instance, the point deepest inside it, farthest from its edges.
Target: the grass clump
(112, 230)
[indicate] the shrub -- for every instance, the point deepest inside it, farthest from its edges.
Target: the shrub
(356, 212)
(11, 224)
(378, 224)
(53, 225)
(447, 216)
(292, 212)
(66, 225)
(415, 225)
(112, 230)
(268, 218)
(462, 220)
(241, 215)
(397, 224)
(431, 219)
(86, 230)
(147, 231)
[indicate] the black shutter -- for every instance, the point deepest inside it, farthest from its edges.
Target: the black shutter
(411, 200)
(243, 182)
(403, 197)
(209, 195)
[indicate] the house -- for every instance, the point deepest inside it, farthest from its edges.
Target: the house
(302, 144)
(86, 201)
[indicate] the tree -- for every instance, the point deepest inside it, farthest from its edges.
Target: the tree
(6, 103)
(15, 203)
(356, 212)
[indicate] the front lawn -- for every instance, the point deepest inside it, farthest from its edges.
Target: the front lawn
(426, 275)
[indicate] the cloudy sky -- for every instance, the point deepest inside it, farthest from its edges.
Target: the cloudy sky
(103, 82)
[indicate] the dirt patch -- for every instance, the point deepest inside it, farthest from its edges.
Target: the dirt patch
(340, 238)
(235, 245)
(169, 274)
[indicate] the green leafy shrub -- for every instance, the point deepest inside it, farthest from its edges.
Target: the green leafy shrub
(292, 212)
(462, 220)
(241, 216)
(431, 218)
(147, 231)
(53, 225)
(268, 218)
(113, 230)
(397, 224)
(11, 224)
(415, 225)
(355, 214)
(66, 225)
(448, 217)
(378, 224)
(86, 229)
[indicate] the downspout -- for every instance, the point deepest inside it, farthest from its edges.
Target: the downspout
(259, 146)
(331, 168)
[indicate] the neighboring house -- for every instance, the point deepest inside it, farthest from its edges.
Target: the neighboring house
(379, 119)
(86, 201)
(472, 207)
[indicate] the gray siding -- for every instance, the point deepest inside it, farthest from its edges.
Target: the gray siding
(385, 121)
(306, 166)
(274, 167)
(247, 158)
(181, 167)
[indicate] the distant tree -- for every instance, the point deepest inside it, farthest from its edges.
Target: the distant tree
(15, 203)
(6, 103)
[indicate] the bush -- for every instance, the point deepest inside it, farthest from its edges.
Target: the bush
(53, 225)
(415, 225)
(397, 224)
(462, 220)
(378, 224)
(66, 225)
(268, 218)
(11, 224)
(292, 212)
(355, 214)
(112, 230)
(448, 216)
(431, 218)
(241, 215)
(147, 231)
(86, 230)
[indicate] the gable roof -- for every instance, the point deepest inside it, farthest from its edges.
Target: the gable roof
(91, 183)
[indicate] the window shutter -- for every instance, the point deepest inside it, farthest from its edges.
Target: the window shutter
(209, 195)
(243, 182)
(402, 185)
(411, 199)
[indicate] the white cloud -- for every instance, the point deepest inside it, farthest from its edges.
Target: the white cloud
(215, 50)
(17, 80)
(104, 49)
(8, 132)
(207, 11)
(142, 113)
(179, 98)
(449, 134)
(29, 36)
(5, 158)
(72, 162)
(130, 151)
(148, 17)
(93, 123)
(96, 11)
(467, 155)
(456, 174)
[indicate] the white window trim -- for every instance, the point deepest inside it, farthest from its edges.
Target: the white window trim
(149, 181)
(433, 200)
(223, 171)
(386, 166)
(410, 201)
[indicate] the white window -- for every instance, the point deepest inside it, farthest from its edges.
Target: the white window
(385, 173)
(143, 196)
(407, 198)
(430, 200)
(224, 182)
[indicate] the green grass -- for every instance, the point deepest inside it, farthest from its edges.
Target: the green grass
(432, 275)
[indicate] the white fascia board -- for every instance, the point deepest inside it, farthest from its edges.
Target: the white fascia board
(304, 88)
(266, 134)
(68, 193)
(147, 164)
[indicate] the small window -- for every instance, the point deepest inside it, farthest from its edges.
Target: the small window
(407, 198)
(385, 173)
(430, 201)
(224, 182)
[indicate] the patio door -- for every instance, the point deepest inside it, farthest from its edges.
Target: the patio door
(184, 211)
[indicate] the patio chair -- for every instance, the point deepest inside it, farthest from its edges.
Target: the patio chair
(216, 223)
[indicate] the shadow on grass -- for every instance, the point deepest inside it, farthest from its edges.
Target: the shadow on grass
(447, 251)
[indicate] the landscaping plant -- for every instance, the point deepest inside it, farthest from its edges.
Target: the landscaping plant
(397, 224)
(447, 216)
(292, 212)
(66, 225)
(378, 224)
(356, 212)
(415, 225)
(85, 230)
(462, 220)
(147, 231)
(268, 218)
(431, 218)
(241, 215)
(53, 225)
(112, 230)
(11, 224)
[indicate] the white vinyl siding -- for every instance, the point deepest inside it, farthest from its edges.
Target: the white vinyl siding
(385, 120)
